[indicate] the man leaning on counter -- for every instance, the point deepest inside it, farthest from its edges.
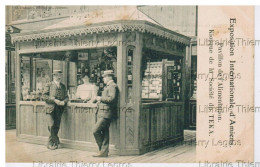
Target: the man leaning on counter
(107, 111)
(56, 101)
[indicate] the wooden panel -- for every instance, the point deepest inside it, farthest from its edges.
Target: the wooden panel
(164, 123)
(153, 125)
(129, 122)
(67, 125)
(114, 132)
(84, 123)
(76, 129)
(191, 115)
(91, 120)
(180, 121)
(10, 116)
(160, 123)
(80, 123)
(77, 123)
(42, 125)
(145, 126)
(174, 120)
(169, 119)
(27, 118)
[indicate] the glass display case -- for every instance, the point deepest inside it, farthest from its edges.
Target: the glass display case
(130, 56)
(193, 78)
(36, 75)
(173, 79)
(36, 71)
(13, 76)
(43, 73)
(152, 81)
(162, 80)
(93, 63)
(6, 76)
(25, 78)
(82, 66)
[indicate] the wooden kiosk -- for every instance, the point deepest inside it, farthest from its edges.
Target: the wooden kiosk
(149, 61)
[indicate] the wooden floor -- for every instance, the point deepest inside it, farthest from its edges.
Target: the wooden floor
(24, 152)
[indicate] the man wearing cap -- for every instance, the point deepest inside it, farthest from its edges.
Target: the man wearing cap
(107, 109)
(55, 102)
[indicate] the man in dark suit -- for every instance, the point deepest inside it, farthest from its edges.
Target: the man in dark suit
(107, 109)
(55, 103)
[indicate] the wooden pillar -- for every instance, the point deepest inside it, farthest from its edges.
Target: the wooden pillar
(121, 70)
(18, 87)
(66, 67)
(137, 88)
(129, 111)
(9, 75)
(187, 72)
(32, 73)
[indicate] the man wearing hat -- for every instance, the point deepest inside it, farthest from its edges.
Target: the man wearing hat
(55, 102)
(107, 109)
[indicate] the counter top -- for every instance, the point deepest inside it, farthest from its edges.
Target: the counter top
(159, 103)
(70, 104)
(93, 105)
(33, 102)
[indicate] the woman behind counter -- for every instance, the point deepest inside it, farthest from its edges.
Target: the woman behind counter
(87, 91)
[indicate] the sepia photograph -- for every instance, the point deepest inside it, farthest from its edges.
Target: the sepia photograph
(119, 85)
(101, 84)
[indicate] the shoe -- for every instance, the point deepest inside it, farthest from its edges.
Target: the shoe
(49, 144)
(105, 154)
(53, 147)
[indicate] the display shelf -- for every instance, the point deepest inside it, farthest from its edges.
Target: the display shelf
(152, 81)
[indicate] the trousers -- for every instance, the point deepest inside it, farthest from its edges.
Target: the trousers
(53, 120)
(101, 134)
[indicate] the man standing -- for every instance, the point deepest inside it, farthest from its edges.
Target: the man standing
(55, 103)
(107, 109)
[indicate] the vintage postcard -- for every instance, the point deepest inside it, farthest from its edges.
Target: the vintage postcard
(119, 85)
(225, 130)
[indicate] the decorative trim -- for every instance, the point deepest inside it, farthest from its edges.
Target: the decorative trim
(142, 27)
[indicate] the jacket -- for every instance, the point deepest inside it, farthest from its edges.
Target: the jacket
(53, 92)
(107, 108)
